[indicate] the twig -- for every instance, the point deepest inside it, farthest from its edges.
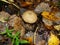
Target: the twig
(35, 33)
(11, 3)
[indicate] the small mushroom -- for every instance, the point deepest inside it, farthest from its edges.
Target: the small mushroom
(29, 17)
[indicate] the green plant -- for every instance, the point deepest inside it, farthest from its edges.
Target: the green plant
(15, 38)
(8, 32)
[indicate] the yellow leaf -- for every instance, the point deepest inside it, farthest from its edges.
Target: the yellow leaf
(49, 16)
(53, 40)
(57, 27)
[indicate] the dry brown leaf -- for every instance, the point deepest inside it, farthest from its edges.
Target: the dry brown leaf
(49, 27)
(16, 22)
(18, 26)
(3, 16)
(24, 4)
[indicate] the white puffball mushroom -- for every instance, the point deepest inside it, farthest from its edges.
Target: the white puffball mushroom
(29, 16)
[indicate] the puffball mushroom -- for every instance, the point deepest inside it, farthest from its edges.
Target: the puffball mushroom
(29, 16)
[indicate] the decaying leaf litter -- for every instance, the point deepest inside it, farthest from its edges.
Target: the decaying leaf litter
(30, 22)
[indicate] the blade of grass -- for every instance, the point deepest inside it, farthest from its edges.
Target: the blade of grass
(17, 34)
(23, 41)
(17, 41)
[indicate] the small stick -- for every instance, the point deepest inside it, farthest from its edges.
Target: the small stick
(11, 3)
(34, 37)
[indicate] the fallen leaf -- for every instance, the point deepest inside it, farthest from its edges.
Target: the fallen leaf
(53, 40)
(49, 16)
(57, 27)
